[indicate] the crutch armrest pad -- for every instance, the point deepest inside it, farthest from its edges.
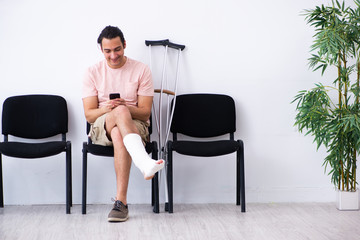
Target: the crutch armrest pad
(156, 42)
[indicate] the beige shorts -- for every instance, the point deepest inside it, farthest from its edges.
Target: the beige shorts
(98, 132)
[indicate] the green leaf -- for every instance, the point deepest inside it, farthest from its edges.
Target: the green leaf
(333, 120)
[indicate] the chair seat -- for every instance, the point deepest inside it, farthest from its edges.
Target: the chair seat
(205, 149)
(32, 150)
(108, 151)
(99, 150)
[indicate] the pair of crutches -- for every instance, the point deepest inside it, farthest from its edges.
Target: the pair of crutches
(165, 97)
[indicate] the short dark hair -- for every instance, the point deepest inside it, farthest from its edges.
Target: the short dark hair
(111, 32)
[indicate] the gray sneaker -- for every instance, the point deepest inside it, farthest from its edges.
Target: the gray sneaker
(119, 213)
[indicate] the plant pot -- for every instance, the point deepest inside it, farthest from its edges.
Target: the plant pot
(347, 200)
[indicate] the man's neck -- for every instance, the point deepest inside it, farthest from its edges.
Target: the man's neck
(122, 63)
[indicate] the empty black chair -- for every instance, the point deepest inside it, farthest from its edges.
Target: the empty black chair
(205, 116)
(108, 151)
(36, 117)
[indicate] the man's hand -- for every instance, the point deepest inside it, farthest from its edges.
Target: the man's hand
(141, 112)
(111, 104)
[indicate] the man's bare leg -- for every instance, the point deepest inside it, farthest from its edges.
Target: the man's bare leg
(122, 164)
(121, 118)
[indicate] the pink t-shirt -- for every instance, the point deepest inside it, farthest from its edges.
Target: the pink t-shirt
(131, 80)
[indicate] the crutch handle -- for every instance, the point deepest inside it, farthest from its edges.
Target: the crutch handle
(156, 42)
(164, 43)
(176, 46)
(168, 92)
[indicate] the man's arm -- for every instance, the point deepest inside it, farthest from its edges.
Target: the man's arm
(143, 110)
(92, 110)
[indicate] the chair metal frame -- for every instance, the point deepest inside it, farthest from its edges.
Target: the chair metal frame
(108, 151)
(237, 146)
(39, 104)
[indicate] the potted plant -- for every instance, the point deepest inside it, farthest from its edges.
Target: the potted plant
(334, 122)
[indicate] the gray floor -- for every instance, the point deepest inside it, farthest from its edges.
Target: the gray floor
(288, 221)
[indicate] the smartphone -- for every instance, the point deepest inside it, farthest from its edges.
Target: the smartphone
(114, 95)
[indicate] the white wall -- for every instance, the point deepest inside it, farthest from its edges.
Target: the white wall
(255, 51)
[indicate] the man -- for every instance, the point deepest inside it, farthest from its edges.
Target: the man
(122, 122)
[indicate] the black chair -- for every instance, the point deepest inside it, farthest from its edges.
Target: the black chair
(36, 117)
(205, 116)
(108, 151)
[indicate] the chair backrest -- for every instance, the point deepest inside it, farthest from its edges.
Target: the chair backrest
(204, 115)
(34, 116)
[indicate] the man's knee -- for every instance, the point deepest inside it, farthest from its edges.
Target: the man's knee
(120, 111)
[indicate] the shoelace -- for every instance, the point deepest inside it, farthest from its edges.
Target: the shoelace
(118, 204)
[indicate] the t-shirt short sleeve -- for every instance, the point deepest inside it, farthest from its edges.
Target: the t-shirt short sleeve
(146, 87)
(89, 88)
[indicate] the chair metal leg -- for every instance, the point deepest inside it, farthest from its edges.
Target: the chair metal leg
(71, 188)
(68, 178)
(155, 191)
(152, 192)
(84, 178)
(1, 185)
(155, 183)
(241, 175)
(169, 173)
(238, 177)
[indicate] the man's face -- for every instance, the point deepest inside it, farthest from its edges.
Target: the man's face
(113, 50)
